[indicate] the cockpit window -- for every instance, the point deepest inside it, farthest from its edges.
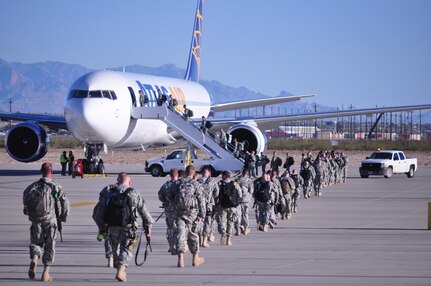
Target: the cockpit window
(76, 93)
(95, 93)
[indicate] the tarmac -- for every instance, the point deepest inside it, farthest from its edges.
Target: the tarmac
(364, 232)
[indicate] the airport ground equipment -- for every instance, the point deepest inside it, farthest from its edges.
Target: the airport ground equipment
(387, 163)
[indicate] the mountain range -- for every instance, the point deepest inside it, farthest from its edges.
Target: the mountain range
(41, 88)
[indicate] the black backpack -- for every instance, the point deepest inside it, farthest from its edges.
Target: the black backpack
(227, 196)
(118, 210)
(290, 161)
(262, 192)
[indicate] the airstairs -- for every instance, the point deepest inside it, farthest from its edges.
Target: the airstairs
(202, 138)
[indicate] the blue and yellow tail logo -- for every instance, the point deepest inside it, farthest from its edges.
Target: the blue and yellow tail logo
(193, 67)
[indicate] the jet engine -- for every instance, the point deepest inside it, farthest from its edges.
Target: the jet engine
(27, 142)
(250, 134)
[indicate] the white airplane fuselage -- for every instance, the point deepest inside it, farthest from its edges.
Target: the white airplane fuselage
(99, 105)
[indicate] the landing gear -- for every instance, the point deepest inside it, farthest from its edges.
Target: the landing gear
(94, 165)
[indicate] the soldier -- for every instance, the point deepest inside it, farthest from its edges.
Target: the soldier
(166, 196)
(98, 213)
(318, 180)
(247, 192)
(46, 206)
(298, 190)
(344, 168)
(307, 175)
(287, 188)
(252, 164)
(211, 193)
(120, 212)
(264, 159)
(262, 195)
(229, 199)
(189, 212)
(276, 199)
(288, 163)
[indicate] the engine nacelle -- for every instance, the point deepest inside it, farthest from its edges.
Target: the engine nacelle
(27, 142)
(250, 134)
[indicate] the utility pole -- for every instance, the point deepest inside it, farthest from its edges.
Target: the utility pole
(10, 110)
(315, 122)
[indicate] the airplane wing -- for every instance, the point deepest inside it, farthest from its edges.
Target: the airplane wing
(256, 102)
(50, 121)
(266, 122)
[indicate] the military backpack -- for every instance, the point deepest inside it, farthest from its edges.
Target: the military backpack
(185, 199)
(118, 210)
(262, 192)
(38, 199)
(228, 196)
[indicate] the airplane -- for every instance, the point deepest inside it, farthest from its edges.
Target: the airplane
(98, 110)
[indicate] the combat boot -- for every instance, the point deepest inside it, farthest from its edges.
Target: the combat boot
(197, 260)
(180, 260)
(237, 231)
(223, 239)
(288, 216)
(121, 273)
(45, 275)
(172, 250)
(205, 242)
(265, 228)
(229, 241)
(111, 262)
(32, 269)
(247, 231)
(211, 238)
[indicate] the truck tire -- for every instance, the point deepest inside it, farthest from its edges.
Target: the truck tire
(364, 176)
(156, 170)
(389, 172)
(411, 172)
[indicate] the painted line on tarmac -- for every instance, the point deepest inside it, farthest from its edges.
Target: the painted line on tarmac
(82, 204)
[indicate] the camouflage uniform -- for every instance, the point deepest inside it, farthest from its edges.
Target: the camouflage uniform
(43, 230)
(103, 195)
(247, 192)
(263, 209)
(318, 180)
(299, 182)
(228, 215)
(166, 196)
(187, 223)
(288, 187)
(121, 238)
(308, 177)
(210, 192)
(344, 169)
(278, 203)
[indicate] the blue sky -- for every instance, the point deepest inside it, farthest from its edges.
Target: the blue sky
(360, 52)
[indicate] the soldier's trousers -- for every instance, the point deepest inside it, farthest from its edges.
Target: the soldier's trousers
(318, 184)
(122, 243)
(209, 225)
(244, 214)
(295, 199)
(307, 187)
(108, 248)
(263, 212)
(227, 219)
(186, 234)
(286, 204)
(170, 229)
(42, 241)
(237, 222)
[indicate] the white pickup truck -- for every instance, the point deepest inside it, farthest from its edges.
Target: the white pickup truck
(387, 163)
(177, 159)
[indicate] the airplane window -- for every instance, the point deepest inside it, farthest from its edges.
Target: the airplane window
(95, 93)
(113, 95)
(105, 94)
(76, 93)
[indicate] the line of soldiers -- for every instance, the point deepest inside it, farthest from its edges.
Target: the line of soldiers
(195, 208)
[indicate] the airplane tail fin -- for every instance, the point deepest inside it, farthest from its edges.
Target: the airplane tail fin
(193, 66)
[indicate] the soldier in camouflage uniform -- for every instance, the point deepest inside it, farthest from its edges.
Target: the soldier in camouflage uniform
(287, 190)
(247, 193)
(124, 238)
(103, 196)
(188, 220)
(229, 198)
(40, 202)
(166, 196)
(211, 193)
(277, 202)
(318, 180)
(307, 175)
(263, 195)
(344, 168)
(299, 182)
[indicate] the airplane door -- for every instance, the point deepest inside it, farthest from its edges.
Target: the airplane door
(132, 95)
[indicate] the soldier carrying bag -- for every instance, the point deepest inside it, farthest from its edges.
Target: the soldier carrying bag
(118, 211)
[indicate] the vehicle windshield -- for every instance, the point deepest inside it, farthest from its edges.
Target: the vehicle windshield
(381, 155)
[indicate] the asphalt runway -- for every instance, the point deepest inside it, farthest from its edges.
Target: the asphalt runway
(364, 232)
